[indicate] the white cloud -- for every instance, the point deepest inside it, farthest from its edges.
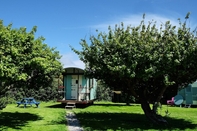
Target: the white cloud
(71, 60)
(134, 20)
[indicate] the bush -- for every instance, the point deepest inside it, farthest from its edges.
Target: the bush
(43, 93)
(103, 93)
(3, 102)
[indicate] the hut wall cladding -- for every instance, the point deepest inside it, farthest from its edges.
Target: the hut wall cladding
(77, 86)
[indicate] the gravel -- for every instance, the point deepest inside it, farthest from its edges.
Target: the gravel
(73, 123)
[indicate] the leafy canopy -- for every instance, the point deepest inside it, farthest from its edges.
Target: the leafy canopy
(144, 60)
(25, 61)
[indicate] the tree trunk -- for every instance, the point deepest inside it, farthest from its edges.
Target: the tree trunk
(151, 114)
(157, 101)
(128, 98)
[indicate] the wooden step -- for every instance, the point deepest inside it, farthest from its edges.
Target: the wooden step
(70, 105)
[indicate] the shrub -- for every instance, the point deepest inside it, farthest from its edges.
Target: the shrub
(3, 102)
(103, 93)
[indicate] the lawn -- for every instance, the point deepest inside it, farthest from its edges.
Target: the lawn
(102, 116)
(48, 117)
(119, 117)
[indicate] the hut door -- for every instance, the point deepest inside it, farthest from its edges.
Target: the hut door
(188, 95)
(74, 85)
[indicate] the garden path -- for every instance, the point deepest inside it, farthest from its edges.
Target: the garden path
(73, 123)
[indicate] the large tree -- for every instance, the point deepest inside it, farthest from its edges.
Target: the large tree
(25, 61)
(144, 60)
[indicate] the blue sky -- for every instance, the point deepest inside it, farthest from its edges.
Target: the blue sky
(66, 22)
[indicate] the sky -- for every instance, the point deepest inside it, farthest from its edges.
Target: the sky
(64, 23)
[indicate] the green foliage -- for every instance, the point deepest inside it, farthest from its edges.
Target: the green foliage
(103, 93)
(24, 58)
(25, 61)
(3, 102)
(127, 98)
(144, 61)
(49, 93)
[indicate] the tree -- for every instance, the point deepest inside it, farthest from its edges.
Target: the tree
(25, 62)
(144, 60)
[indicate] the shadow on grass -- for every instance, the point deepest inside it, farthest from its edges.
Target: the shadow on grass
(16, 120)
(27, 107)
(127, 121)
(60, 120)
(59, 105)
(114, 104)
(63, 106)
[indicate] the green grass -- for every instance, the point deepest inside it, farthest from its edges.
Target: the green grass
(48, 117)
(119, 117)
(102, 116)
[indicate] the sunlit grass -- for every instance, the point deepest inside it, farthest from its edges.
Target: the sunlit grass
(102, 116)
(119, 117)
(47, 117)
